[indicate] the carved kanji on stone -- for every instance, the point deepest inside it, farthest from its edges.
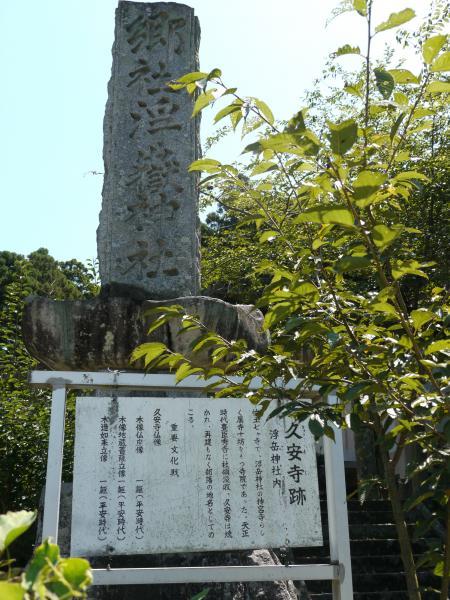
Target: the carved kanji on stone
(148, 232)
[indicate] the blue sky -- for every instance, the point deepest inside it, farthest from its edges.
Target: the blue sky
(55, 58)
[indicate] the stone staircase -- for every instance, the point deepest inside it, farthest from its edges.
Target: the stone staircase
(376, 563)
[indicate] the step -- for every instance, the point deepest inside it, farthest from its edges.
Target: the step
(386, 595)
(369, 547)
(392, 595)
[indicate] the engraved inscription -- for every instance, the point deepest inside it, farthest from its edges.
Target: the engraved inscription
(148, 226)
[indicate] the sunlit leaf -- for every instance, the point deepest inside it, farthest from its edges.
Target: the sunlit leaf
(347, 49)
(396, 19)
(77, 572)
(265, 110)
(384, 307)
(400, 268)
(421, 316)
(148, 351)
(13, 524)
(203, 101)
(441, 63)
(439, 346)
(189, 78)
(185, 370)
(231, 108)
(360, 6)
(263, 167)
(383, 236)
(367, 183)
(326, 214)
(268, 236)
(403, 76)
(208, 165)
(438, 87)
(11, 591)
(432, 46)
(43, 555)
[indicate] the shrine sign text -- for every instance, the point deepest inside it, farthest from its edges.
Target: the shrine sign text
(155, 475)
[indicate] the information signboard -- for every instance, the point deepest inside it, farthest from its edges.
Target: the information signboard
(154, 475)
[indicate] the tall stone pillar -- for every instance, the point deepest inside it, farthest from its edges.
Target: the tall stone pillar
(148, 232)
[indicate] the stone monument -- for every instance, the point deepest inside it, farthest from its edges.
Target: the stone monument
(148, 232)
(148, 244)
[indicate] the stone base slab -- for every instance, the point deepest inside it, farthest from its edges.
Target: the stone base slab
(101, 333)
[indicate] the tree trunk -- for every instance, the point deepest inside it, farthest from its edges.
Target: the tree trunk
(402, 529)
(446, 574)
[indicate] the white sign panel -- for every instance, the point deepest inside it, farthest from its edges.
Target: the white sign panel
(190, 474)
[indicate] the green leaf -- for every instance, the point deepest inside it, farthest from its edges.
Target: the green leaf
(189, 78)
(277, 313)
(439, 346)
(343, 136)
(265, 110)
(403, 76)
(347, 49)
(11, 591)
(268, 236)
(43, 555)
(148, 351)
(326, 214)
(305, 143)
(416, 500)
(254, 147)
(432, 46)
(396, 125)
(384, 82)
(235, 117)
(396, 19)
(360, 6)
(306, 289)
(351, 263)
(408, 175)
(214, 73)
(185, 370)
(201, 595)
(406, 267)
(208, 165)
(439, 569)
(384, 307)
(231, 108)
(353, 90)
(77, 573)
(438, 87)
(13, 524)
(442, 63)
(383, 236)
(367, 183)
(203, 100)
(263, 167)
(315, 427)
(420, 317)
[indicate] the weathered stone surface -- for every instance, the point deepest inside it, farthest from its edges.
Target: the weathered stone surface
(148, 232)
(102, 332)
